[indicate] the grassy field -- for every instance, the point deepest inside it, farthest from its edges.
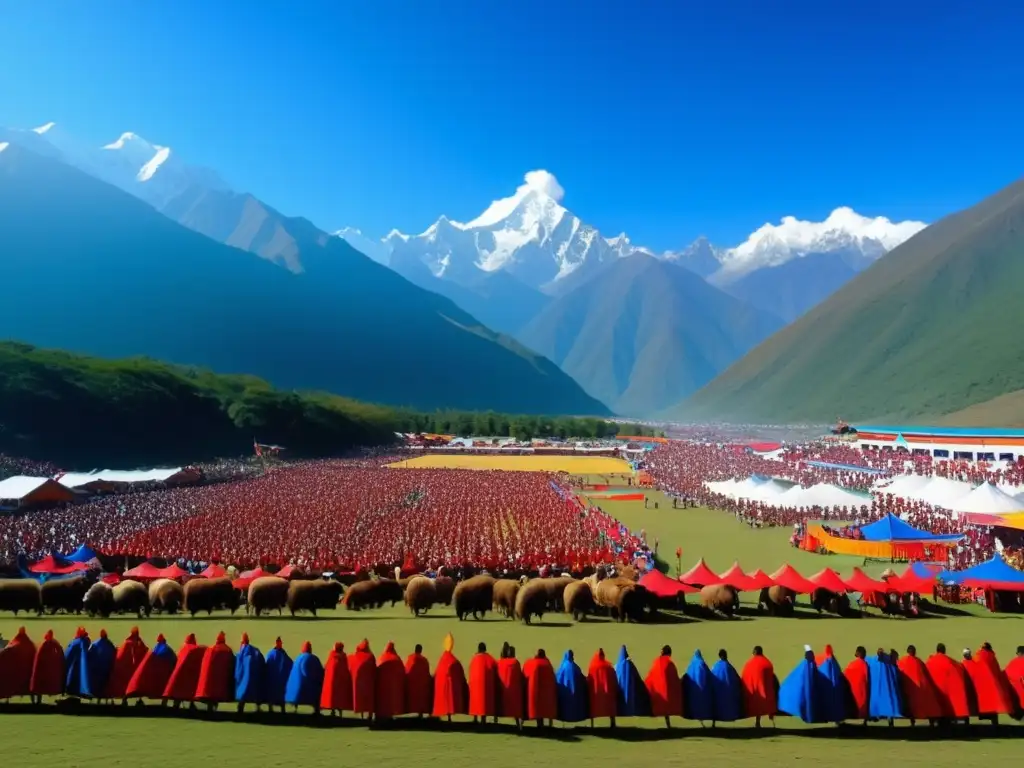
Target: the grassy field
(32, 739)
(578, 465)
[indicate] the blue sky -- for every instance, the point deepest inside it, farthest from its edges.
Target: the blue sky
(664, 119)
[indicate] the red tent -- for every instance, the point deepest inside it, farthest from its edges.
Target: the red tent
(172, 572)
(248, 577)
(214, 571)
(736, 578)
(861, 582)
(760, 579)
(288, 571)
(143, 571)
(788, 577)
(909, 581)
(700, 576)
(661, 585)
(50, 564)
(829, 579)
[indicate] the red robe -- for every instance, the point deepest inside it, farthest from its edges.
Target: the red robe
(450, 692)
(510, 685)
(665, 688)
(483, 685)
(150, 679)
(48, 668)
(541, 693)
(181, 685)
(337, 691)
(217, 674)
(602, 687)
(1015, 674)
(954, 687)
(990, 684)
(390, 691)
(363, 668)
(920, 696)
(16, 661)
(760, 694)
(129, 657)
(419, 685)
(859, 687)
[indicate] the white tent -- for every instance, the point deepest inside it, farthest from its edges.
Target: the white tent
(942, 492)
(903, 485)
(80, 479)
(724, 487)
(18, 487)
(822, 495)
(986, 499)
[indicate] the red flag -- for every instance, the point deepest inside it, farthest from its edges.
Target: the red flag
(256, 447)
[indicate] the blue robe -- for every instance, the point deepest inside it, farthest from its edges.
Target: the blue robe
(305, 681)
(75, 671)
(99, 663)
(728, 688)
(698, 690)
(278, 670)
(832, 691)
(250, 675)
(572, 691)
(884, 690)
(798, 695)
(634, 701)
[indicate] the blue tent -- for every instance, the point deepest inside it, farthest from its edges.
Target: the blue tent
(891, 528)
(83, 554)
(994, 571)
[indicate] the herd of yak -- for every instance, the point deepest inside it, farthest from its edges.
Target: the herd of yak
(618, 596)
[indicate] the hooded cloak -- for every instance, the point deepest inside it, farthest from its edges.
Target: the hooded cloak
(250, 674)
(76, 674)
(279, 668)
(602, 687)
(884, 699)
(363, 668)
(336, 694)
(698, 690)
(16, 662)
(390, 684)
(832, 685)
(150, 679)
(99, 666)
(798, 692)
(217, 674)
(633, 700)
(664, 688)
(419, 685)
(483, 685)
(450, 690)
(1015, 675)
(306, 679)
(571, 687)
(760, 688)
(541, 689)
(952, 685)
(858, 688)
(512, 688)
(48, 668)
(182, 684)
(129, 656)
(728, 688)
(919, 691)
(995, 696)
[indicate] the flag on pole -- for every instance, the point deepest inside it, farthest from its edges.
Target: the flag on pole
(256, 447)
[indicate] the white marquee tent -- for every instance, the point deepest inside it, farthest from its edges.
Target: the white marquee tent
(986, 499)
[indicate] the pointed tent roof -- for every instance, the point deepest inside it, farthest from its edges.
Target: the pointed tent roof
(83, 554)
(700, 576)
(214, 571)
(891, 528)
(788, 577)
(760, 579)
(737, 579)
(173, 571)
(861, 582)
(993, 574)
(51, 564)
(661, 585)
(288, 571)
(829, 579)
(918, 578)
(143, 571)
(986, 499)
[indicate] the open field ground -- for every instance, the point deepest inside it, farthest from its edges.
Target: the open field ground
(577, 465)
(144, 737)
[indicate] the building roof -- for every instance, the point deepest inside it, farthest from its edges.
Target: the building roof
(939, 431)
(20, 486)
(79, 479)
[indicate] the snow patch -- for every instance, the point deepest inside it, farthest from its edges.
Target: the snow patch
(4, 145)
(149, 169)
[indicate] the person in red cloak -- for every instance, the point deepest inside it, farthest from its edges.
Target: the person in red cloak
(510, 685)
(336, 695)
(129, 656)
(956, 694)
(995, 697)
(541, 694)
(858, 685)
(151, 676)
(602, 688)
(217, 674)
(665, 687)
(363, 668)
(920, 696)
(1015, 674)
(760, 688)
(184, 680)
(419, 685)
(450, 690)
(16, 661)
(483, 685)
(389, 696)
(47, 669)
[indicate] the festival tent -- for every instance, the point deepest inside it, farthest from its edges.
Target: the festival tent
(84, 554)
(903, 485)
(760, 579)
(822, 495)
(788, 577)
(943, 492)
(661, 585)
(994, 574)
(861, 582)
(214, 571)
(829, 579)
(891, 528)
(986, 499)
(737, 579)
(173, 571)
(143, 571)
(700, 576)
(248, 577)
(771, 491)
(52, 565)
(27, 491)
(918, 578)
(288, 571)
(723, 487)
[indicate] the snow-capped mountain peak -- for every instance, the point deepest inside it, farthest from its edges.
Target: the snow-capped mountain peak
(43, 128)
(539, 188)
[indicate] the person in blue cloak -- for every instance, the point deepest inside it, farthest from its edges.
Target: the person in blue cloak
(633, 698)
(306, 680)
(698, 691)
(832, 689)
(99, 662)
(728, 688)
(278, 669)
(250, 675)
(884, 691)
(572, 690)
(800, 691)
(75, 670)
